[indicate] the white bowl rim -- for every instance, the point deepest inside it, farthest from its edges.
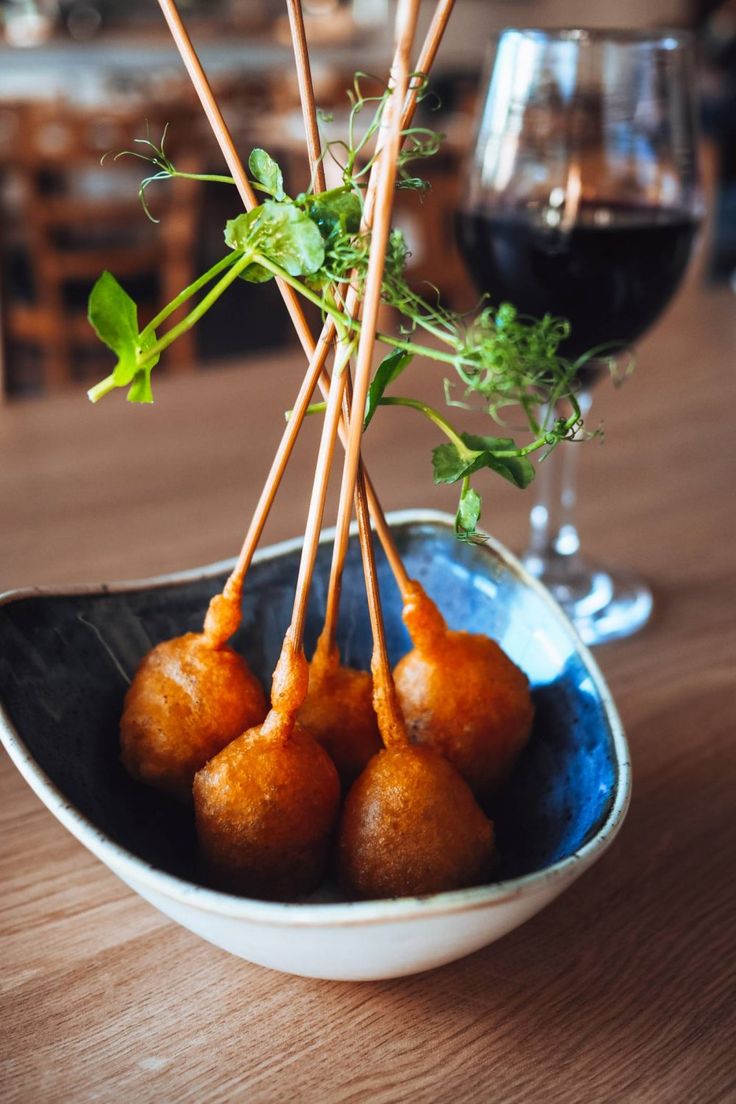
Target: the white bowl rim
(307, 913)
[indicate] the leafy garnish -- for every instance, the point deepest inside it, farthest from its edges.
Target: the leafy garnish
(280, 232)
(267, 172)
(114, 318)
(468, 516)
(388, 370)
(337, 213)
(315, 242)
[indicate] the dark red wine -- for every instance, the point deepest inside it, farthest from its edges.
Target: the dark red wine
(611, 274)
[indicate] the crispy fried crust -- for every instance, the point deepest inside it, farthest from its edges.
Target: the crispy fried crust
(412, 826)
(186, 702)
(461, 694)
(339, 714)
(265, 811)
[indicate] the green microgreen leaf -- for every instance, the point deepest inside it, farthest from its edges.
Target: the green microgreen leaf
(266, 171)
(280, 232)
(140, 390)
(113, 316)
(388, 370)
(451, 463)
(337, 213)
(468, 516)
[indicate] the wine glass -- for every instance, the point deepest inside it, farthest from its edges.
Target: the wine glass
(582, 200)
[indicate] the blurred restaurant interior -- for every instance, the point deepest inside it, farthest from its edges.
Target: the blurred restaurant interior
(79, 78)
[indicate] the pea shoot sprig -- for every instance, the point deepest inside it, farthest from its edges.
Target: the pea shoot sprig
(314, 241)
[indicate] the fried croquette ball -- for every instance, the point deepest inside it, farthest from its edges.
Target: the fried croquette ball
(265, 810)
(410, 826)
(186, 702)
(462, 695)
(339, 713)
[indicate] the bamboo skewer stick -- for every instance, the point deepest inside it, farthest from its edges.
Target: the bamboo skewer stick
(309, 114)
(385, 700)
(291, 680)
(317, 353)
(427, 54)
(326, 642)
(234, 585)
(306, 92)
(317, 501)
(224, 140)
(291, 676)
(390, 721)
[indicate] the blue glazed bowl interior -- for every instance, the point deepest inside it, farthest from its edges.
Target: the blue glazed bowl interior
(64, 662)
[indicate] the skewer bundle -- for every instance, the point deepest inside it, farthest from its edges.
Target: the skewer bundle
(267, 795)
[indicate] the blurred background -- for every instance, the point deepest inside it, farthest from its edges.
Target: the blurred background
(79, 78)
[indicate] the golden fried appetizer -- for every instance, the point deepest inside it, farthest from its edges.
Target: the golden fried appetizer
(462, 695)
(266, 805)
(338, 712)
(411, 826)
(189, 698)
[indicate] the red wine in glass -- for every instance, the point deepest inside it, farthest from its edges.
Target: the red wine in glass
(611, 274)
(582, 201)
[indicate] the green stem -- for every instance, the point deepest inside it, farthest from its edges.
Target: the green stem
(104, 387)
(206, 178)
(187, 293)
(350, 324)
(293, 282)
(202, 307)
(452, 435)
(435, 417)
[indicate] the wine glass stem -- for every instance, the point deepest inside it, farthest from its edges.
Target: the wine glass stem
(554, 542)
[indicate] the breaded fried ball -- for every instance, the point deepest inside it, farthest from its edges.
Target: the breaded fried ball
(411, 826)
(265, 810)
(186, 702)
(339, 713)
(462, 695)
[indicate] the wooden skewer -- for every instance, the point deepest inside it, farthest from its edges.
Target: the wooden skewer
(309, 114)
(306, 92)
(317, 501)
(234, 585)
(326, 642)
(290, 678)
(390, 721)
(385, 179)
(224, 140)
(427, 54)
(385, 700)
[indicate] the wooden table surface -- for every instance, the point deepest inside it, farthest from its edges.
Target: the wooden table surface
(622, 990)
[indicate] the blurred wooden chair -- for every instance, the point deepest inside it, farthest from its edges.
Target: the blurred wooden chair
(73, 218)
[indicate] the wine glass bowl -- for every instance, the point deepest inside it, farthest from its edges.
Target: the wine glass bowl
(582, 201)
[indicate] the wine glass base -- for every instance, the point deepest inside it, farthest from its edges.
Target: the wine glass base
(602, 606)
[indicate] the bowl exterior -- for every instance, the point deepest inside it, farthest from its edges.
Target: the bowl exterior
(60, 729)
(369, 951)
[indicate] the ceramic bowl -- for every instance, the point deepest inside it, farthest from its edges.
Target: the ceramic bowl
(66, 656)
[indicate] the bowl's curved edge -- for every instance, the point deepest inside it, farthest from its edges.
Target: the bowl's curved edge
(307, 913)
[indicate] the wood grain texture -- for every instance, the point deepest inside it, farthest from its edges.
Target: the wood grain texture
(624, 989)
